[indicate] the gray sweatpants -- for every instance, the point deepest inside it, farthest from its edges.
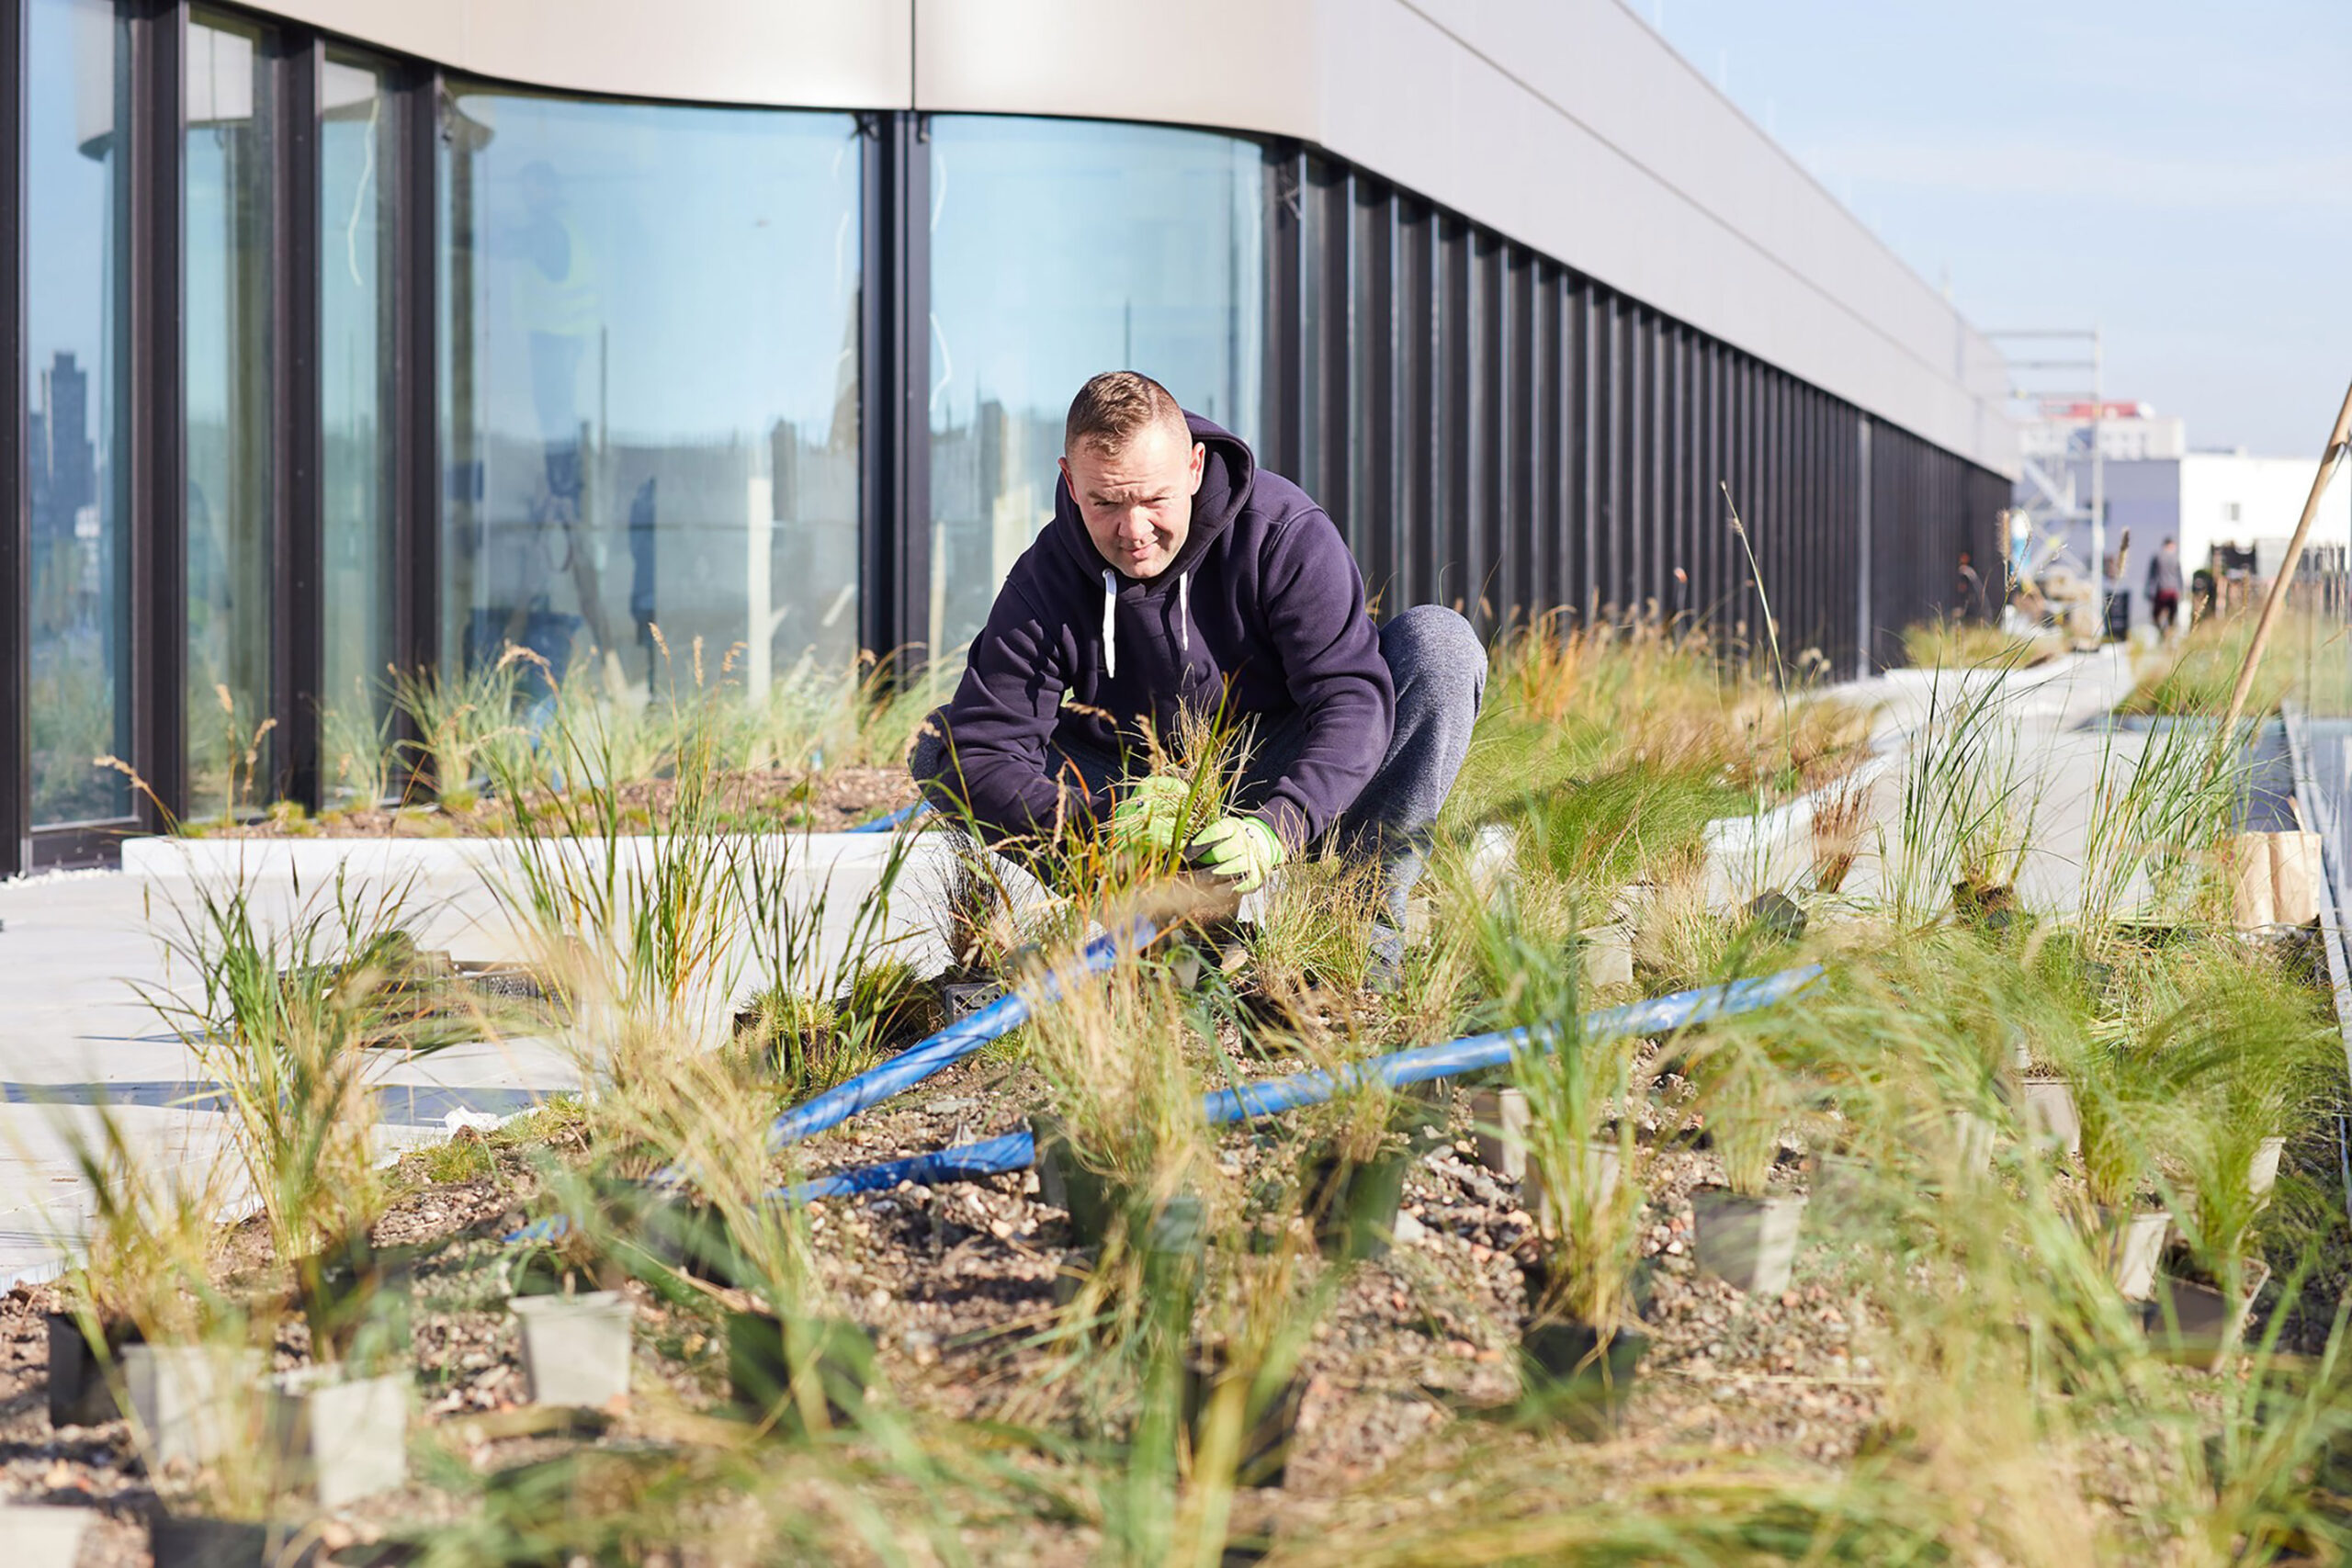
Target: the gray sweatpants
(1440, 672)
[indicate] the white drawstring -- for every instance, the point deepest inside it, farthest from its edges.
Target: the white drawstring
(1109, 623)
(1111, 618)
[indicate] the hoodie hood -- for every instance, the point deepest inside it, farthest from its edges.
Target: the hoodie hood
(1228, 473)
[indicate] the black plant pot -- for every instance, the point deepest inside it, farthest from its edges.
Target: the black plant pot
(759, 1366)
(1535, 1282)
(1354, 1203)
(1174, 1251)
(1992, 905)
(187, 1541)
(1269, 1431)
(688, 1236)
(1094, 1201)
(1571, 1375)
(1775, 918)
(360, 1301)
(79, 1395)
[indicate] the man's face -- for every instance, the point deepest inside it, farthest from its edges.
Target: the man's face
(1137, 502)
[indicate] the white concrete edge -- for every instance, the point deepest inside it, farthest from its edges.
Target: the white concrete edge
(1741, 835)
(316, 860)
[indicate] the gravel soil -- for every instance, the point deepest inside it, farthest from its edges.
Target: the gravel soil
(955, 1282)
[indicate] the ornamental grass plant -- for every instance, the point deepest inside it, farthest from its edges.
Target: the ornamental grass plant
(1951, 1373)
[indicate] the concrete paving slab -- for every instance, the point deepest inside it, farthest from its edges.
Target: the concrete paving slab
(85, 955)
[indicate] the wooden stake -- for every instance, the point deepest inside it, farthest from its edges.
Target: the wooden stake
(2328, 460)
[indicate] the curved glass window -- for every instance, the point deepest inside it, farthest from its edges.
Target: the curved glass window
(650, 361)
(358, 228)
(230, 239)
(75, 195)
(1059, 249)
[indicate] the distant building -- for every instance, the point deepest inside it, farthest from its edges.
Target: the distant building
(2128, 433)
(60, 461)
(2204, 500)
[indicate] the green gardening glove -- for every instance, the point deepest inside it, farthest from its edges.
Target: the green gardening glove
(1144, 822)
(1241, 850)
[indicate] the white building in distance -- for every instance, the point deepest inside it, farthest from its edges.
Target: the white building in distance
(2157, 488)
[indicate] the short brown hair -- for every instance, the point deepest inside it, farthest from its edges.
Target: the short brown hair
(1113, 406)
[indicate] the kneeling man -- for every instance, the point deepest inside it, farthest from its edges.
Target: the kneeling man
(1177, 576)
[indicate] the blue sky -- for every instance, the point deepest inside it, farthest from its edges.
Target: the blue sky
(2176, 172)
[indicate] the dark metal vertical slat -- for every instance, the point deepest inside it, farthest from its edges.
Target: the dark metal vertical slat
(1742, 571)
(1546, 434)
(16, 533)
(1394, 459)
(1515, 523)
(1577, 411)
(1658, 410)
(1772, 526)
(417, 487)
(1608, 416)
(1610, 389)
(1633, 459)
(1280, 443)
(1489, 431)
(1675, 468)
(1373, 447)
(1454, 356)
(1480, 351)
(1417, 422)
(156, 439)
(911, 633)
(1332, 480)
(894, 568)
(894, 545)
(878, 384)
(1809, 565)
(298, 650)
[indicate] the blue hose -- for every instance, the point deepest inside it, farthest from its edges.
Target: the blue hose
(1656, 1016)
(1016, 1151)
(989, 1156)
(951, 1044)
(910, 1066)
(884, 824)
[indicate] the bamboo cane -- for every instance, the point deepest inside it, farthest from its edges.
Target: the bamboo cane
(2328, 461)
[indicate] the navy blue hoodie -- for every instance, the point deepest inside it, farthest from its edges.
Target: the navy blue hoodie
(1264, 595)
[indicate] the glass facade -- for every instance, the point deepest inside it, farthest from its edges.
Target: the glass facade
(358, 236)
(466, 367)
(649, 371)
(75, 201)
(1059, 249)
(231, 349)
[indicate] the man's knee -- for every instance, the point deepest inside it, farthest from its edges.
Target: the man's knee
(1430, 645)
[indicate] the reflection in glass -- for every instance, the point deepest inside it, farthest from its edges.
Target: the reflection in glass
(650, 356)
(356, 234)
(1061, 248)
(230, 158)
(75, 193)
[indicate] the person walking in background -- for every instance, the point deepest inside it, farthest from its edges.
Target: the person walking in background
(2163, 588)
